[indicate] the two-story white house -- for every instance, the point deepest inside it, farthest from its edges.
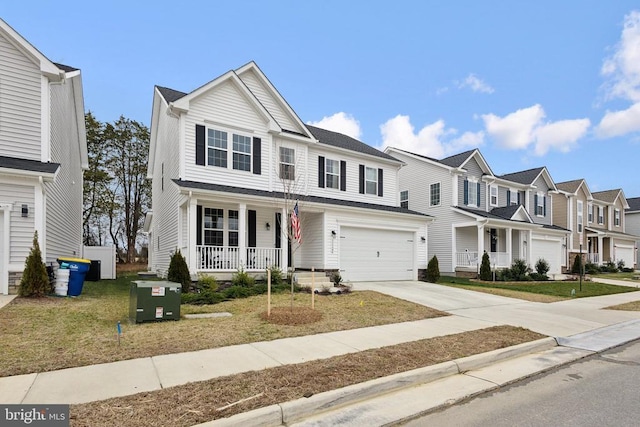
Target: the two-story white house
(43, 152)
(632, 218)
(230, 159)
(506, 216)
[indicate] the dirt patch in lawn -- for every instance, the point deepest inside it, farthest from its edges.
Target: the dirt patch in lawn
(629, 306)
(291, 316)
(199, 402)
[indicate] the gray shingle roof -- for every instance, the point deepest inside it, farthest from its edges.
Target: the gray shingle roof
(279, 195)
(170, 95)
(608, 196)
(65, 68)
(634, 204)
(569, 186)
(28, 165)
(457, 160)
(500, 214)
(523, 177)
(505, 212)
(339, 140)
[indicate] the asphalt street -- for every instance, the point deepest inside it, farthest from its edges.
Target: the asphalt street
(601, 390)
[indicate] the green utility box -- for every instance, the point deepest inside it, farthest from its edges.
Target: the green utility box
(150, 301)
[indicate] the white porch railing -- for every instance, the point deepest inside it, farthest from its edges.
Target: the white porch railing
(211, 258)
(593, 258)
(471, 259)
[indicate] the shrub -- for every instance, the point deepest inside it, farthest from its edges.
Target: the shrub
(207, 283)
(620, 265)
(277, 277)
(519, 272)
(202, 298)
(591, 268)
(237, 291)
(542, 268)
(35, 280)
(336, 278)
(485, 267)
(609, 267)
(242, 278)
(433, 270)
(577, 265)
(179, 272)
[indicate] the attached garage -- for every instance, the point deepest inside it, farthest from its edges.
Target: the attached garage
(624, 253)
(550, 250)
(369, 254)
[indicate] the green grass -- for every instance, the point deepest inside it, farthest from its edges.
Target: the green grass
(617, 276)
(557, 289)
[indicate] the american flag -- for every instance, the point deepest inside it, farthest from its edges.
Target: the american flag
(295, 224)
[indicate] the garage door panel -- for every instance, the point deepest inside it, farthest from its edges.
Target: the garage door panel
(550, 251)
(372, 254)
(625, 254)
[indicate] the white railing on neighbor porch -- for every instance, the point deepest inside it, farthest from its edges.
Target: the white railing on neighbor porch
(211, 258)
(471, 259)
(593, 258)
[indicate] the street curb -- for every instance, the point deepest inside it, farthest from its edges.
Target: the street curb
(294, 410)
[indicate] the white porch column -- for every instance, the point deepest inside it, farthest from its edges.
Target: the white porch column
(284, 242)
(529, 246)
(192, 213)
(508, 248)
(242, 234)
(600, 254)
(480, 241)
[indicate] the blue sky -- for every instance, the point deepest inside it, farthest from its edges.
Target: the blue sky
(544, 83)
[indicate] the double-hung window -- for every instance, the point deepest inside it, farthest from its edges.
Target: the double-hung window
(241, 152)
(579, 209)
(493, 195)
(217, 148)
(434, 194)
(371, 181)
(589, 213)
(472, 193)
(332, 171)
(287, 163)
(540, 201)
(233, 228)
(404, 199)
(213, 227)
(600, 215)
(616, 217)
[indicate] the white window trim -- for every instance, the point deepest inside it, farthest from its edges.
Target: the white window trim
(404, 200)
(475, 183)
(229, 149)
(616, 217)
(514, 196)
(491, 188)
(280, 163)
(540, 204)
(439, 194)
(579, 216)
(366, 180)
(600, 217)
(327, 173)
(590, 213)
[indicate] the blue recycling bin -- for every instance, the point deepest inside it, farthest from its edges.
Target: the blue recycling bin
(78, 268)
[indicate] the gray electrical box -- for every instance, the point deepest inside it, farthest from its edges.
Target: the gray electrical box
(150, 301)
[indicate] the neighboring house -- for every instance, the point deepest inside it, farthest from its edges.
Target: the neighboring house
(43, 153)
(632, 223)
(509, 217)
(597, 223)
(228, 161)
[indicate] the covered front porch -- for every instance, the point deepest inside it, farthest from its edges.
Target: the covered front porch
(605, 246)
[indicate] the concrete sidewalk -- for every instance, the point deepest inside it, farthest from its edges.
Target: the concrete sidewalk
(6, 299)
(630, 283)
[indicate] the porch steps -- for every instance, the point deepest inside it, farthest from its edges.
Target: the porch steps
(320, 280)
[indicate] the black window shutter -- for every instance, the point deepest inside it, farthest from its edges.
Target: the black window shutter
(535, 203)
(199, 225)
(343, 175)
(200, 145)
(380, 185)
(466, 192)
(478, 188)
(518, 197)
(508, 197)
(544, 204)
(251, 216)
(361, 168)
(278, 230)
(321, 171)
(257, 156)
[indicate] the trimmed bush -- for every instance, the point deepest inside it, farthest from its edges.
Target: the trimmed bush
(519, 272)
(336, 278)
(179, 271)
(577, 265)
(542, 268)
(591, 268)
(277, 277)
(242, 278)
(207, 283)
(35, 280)
(485, 267)
(433, 270)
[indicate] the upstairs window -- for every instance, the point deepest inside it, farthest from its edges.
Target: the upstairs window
(332, 170)
(217, 148)
(241, 152)
(589, 213)
(371, 181)
(287, 163)
(513, 197)
(404, 199)
(579, 209)
(471, 192)
(493, 195)
(434, 194)
(600, 215)
(616, 217)
(541, 202)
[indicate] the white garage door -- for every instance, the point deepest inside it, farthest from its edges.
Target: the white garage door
(624, 253)
(368, 254)
(550, 251)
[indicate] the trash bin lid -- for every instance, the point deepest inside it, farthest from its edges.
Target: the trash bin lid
(71, 259)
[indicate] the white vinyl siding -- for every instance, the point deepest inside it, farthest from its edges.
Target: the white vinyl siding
(21, 229)
(541, 214)
(20, 104)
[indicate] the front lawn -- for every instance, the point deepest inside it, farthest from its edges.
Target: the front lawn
(550, 291)
(52, 333)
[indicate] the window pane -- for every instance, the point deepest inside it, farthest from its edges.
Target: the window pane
(213, 238)
(242, 162)
(287, 171)
(332, 181)
(217, 157)
(372, 174)
(217, 139)
(287, 155)
(332, 168)
(435, 194)
(242, 144)
(233, 238)
(233, 220)
(287, 167)
(372, 188)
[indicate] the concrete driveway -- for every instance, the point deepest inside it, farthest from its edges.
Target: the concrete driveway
(558, 319)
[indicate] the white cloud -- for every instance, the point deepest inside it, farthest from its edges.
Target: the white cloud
(516, 130)
(340, 122)
(623, 67)
(526, 127)
(617, 123)
(475, 84)
(433, 140)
